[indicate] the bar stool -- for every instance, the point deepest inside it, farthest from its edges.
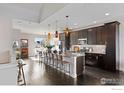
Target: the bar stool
(40, 56)
(66, 64)
(55, 60)
(46, 57)
(21, 76)
(52, 54)
(59, 61)
(50, 58)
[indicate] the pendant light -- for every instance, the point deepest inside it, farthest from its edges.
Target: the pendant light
(56, 33)
(66, 30)
(49, 34)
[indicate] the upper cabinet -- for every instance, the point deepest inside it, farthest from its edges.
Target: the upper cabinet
(73, 38)
(92, 36)
(82, 34)
(101, 36)
(97, 36)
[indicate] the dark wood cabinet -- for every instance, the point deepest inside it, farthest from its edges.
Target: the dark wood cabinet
(103, 36)
(110, 57)
(100, 35)
(80, 34)
(94, 59)
(97, 36)
(92, 36)
(74, 38)
(106, 34)
(83, 33)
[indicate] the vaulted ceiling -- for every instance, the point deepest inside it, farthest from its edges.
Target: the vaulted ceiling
(35, 17)
(34, 12)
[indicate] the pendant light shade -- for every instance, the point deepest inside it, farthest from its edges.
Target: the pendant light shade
(66, 30)
(49, 35)
(56, 33)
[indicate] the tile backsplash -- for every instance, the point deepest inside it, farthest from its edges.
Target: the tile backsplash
(92, 48)
(95, 48)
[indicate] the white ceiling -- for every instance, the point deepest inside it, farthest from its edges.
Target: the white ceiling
(28, 12)
(34, 12)
(80, 15)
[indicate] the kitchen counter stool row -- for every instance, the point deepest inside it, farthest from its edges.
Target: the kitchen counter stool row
(55, 60)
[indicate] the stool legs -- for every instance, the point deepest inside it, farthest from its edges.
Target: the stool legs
(65, 68)
(21, 73)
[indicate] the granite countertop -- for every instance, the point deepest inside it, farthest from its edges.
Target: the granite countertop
(96, 52)
(73, 55)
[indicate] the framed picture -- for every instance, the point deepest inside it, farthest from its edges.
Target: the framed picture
(24, 42)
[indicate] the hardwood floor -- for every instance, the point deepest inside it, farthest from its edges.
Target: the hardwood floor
(38, 73)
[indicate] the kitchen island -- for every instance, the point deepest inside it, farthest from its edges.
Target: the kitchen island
(77, 63)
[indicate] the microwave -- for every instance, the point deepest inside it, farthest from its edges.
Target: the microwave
(82, 41)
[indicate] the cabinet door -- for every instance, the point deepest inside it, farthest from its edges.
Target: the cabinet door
(80, 65)
(110, 57)
(110, 47)
(80, 34)
(100, 35)
(92, 36)
(84, 33)
(104, 36)
(76, 37)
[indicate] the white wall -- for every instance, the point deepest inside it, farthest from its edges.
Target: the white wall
(31, 43)
(5, 38)
(16, 34)
(121, 45)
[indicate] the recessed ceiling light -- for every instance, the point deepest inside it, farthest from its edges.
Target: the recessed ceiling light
(94, 21)
(106, 14)
(75, 24)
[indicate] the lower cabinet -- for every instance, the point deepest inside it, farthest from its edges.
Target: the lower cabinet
(95, 60)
